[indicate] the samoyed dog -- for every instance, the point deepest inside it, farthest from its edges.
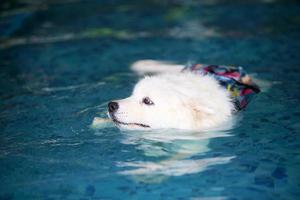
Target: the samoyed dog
(198, 97)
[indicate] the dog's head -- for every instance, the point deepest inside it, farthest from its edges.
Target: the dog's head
(169, 101)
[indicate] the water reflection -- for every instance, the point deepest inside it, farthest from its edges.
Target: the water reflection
(172, 153)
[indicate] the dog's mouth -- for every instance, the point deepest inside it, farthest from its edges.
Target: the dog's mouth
(127, 123)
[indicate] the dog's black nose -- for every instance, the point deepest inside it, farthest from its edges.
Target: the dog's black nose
(113, 106)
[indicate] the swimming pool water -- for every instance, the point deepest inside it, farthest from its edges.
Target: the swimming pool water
(61, 62)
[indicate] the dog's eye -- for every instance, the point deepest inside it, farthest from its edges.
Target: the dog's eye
(147, 101)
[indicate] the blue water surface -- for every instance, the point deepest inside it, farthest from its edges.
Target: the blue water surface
(62, 61)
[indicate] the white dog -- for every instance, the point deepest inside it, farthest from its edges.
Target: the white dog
(196, 98)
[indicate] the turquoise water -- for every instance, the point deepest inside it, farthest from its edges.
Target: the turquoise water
(61, 62)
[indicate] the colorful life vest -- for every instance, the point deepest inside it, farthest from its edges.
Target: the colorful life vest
(231, 79)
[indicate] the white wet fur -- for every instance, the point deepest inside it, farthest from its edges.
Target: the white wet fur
(181, 100)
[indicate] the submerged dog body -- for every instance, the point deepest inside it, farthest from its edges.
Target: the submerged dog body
(184, 100)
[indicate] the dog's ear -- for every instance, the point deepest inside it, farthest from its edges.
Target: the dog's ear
(203, 109)
(200, 110)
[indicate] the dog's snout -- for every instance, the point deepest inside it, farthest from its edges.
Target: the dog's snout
(113, 106)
